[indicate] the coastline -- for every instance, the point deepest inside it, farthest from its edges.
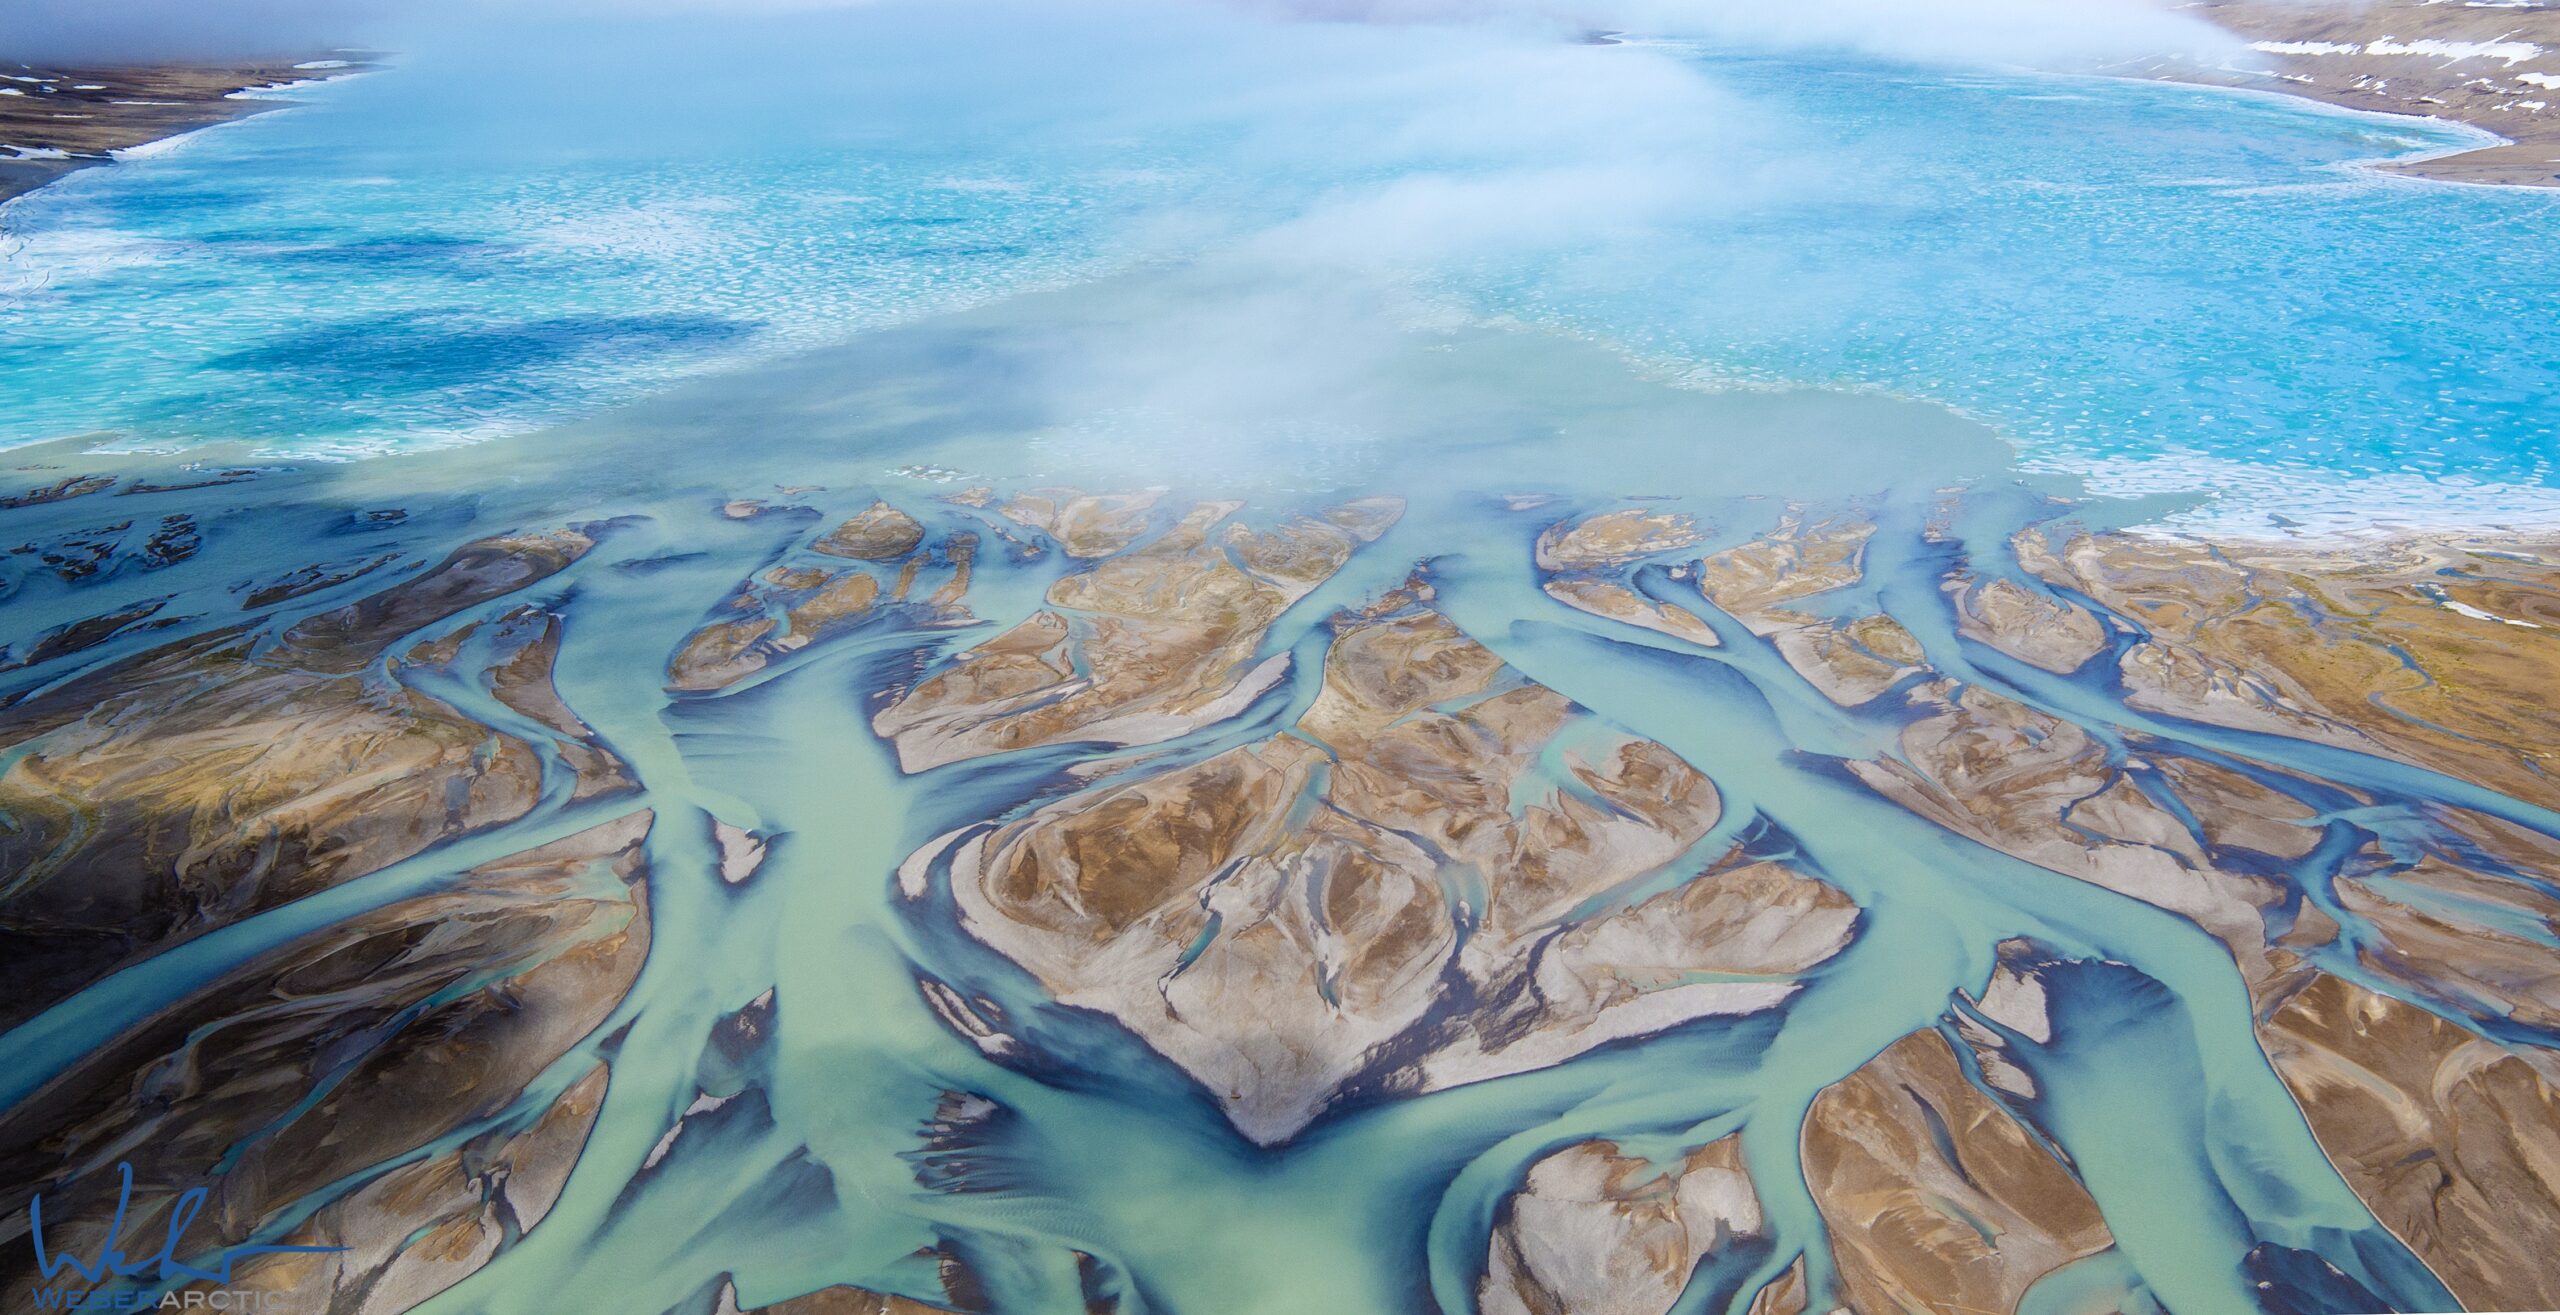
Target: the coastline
(57, 120)
(459, 740)
(2496, 69)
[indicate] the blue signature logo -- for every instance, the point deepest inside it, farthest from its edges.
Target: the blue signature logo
(164, 1262)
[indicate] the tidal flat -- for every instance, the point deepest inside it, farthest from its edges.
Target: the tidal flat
(1003, 815)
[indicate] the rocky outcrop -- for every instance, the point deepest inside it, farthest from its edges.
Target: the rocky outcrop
(351, 1047)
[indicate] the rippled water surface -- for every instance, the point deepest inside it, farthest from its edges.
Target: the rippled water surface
(1287, 265)
(2178, 287)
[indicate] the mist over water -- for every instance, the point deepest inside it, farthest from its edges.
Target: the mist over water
(490, 237)
(822, 258)
(809, 1169)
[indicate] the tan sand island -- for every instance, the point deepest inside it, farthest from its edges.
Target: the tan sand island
(167, 795)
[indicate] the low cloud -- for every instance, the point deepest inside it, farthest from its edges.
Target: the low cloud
(2027, 33)
(2037, 33)
(138, 31)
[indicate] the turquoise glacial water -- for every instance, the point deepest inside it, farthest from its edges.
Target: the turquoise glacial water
(815, 1170)
(881, 252)
(2177, 288)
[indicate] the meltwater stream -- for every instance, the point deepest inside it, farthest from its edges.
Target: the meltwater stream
(885, 284)
(813, 1171)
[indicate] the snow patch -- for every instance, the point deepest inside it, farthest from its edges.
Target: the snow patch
(2512, 52)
